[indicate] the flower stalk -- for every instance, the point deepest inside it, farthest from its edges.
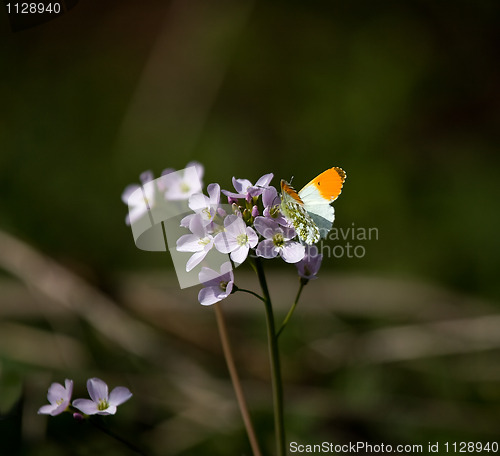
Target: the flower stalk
(240, 397)
(277, 383)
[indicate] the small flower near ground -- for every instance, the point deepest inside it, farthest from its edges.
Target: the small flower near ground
(200, 242)
(245, 189)
(101, 402)
(217, 286)
(236, 239)
(309, 266)
(278, 240)
(59, 397)
(181, 185)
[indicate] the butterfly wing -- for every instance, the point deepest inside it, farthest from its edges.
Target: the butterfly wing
(318, 194)
(293, 209)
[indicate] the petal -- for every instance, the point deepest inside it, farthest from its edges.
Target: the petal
(241, 185)
(264, 180)
(214, 194)
(240, 254)
(189, 243)
(47, 409)
(200, 170)
(56, 392)
(208, 275)
(234, 225)
(270, 197)
(111, 410)
(265, 226)
(224, 243)
(195, 260)
(86, 406)
(128, 192)
(266, 249)
(292, 252)
(207, 296)
(98, 390)
(197, 227)
(60, 408)
(227, 268)
(69, 388)
(198, 201)
(119, 395)
(252, 237)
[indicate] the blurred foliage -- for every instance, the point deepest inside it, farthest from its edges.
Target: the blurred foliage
(403, 95)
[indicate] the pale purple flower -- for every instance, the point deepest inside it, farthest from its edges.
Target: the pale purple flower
(245, 189)
(278, 240)
(206, 206)
(236, 239)
(59, 397)
(272, 202)
(309, 266)
(100, 402)
(217, 286)
(139, 202)
(181, 185)
(200, 242)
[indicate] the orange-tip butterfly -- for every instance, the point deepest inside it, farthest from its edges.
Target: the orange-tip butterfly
(309, 210)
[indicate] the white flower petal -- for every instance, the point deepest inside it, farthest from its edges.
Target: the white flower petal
(86, 406)
(207, 296)
(111, 410)
(264, 180)
(252, 237)
(208, 275)
(240, 254)
(189, 243)
(119, 395)
(265, 227)
(266, 249)
(98, 390)
(292, 252)
(195, 260)
(198, 201)
(225, 243)
(47, 409)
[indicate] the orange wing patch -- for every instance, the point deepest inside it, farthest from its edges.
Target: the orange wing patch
(329, 183)
(289, 190)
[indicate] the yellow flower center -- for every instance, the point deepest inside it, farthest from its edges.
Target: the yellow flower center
(242, 239)
(223, 285)
(103, 404)
(278, 240)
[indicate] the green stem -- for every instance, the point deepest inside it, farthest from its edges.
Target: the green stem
(292, 309)
(252, 293)
(277, 383)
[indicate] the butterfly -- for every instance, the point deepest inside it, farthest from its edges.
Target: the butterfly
(309, 210)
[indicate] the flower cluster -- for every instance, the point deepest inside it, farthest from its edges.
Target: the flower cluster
(101, 402)
(171, 186)
(251, 223)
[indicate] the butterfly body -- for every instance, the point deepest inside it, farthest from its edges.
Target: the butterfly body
(310, 210)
